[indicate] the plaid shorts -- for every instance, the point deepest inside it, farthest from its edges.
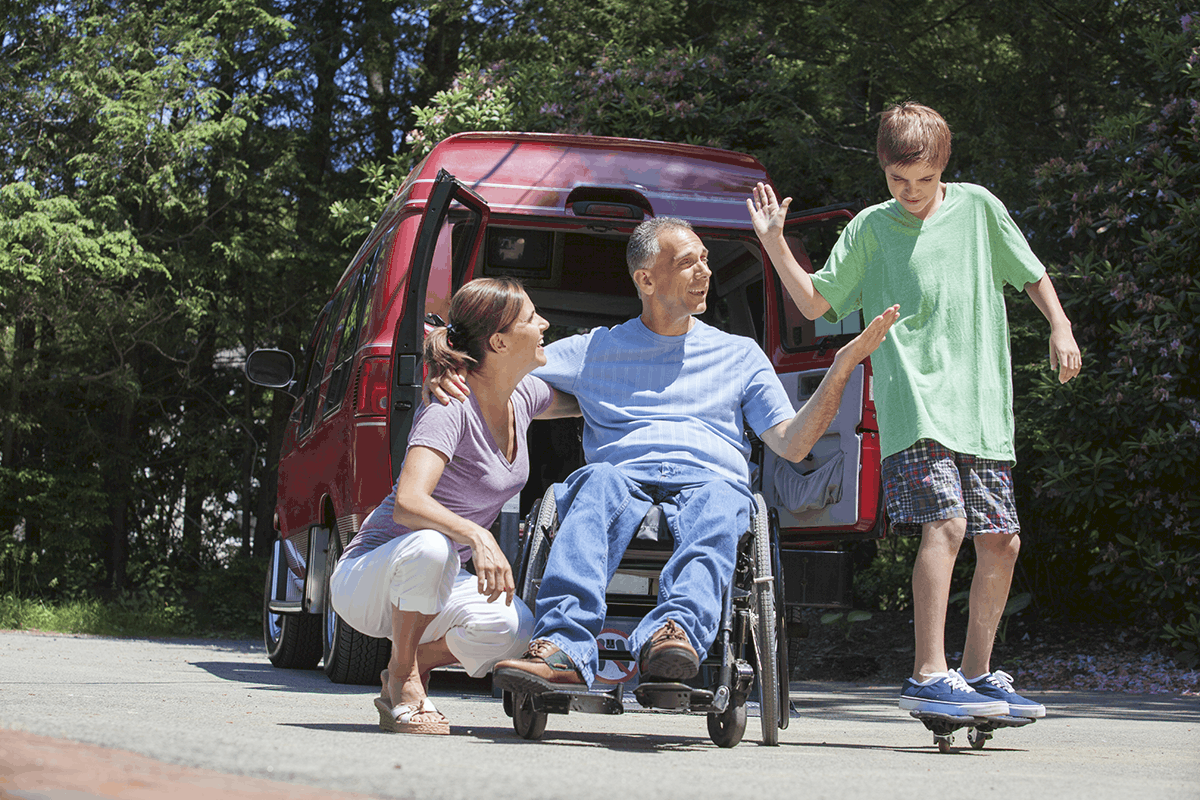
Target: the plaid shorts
(929, 482)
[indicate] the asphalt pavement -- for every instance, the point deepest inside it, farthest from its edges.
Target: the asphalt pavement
(215, 719)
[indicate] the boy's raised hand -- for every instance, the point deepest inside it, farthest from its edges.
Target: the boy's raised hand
(766, 212)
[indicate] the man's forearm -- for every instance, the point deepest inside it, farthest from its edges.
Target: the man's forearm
(795, 438)
(813, 419)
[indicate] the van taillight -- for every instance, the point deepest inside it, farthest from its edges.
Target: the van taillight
(372, 396)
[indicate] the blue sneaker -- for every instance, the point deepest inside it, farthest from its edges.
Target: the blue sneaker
(948, 693)
(998, 686)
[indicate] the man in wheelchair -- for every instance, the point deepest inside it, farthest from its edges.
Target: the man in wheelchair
(665, 400)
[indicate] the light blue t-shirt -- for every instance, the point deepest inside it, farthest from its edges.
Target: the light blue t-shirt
(648, 398)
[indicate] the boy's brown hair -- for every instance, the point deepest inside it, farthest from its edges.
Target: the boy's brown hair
(910, 133)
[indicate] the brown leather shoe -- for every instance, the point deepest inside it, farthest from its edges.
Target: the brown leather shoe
(668, 654)
(543, 668)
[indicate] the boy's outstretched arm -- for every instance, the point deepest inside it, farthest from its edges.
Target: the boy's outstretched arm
(793, 438)
(1064, 352)
(768, 216)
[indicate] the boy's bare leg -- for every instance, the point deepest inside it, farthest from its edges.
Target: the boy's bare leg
(995, 558)
(940, 541)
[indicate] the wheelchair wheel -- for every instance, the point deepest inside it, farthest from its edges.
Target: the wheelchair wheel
(766, 619)
(781, 634)
(528, 723)
(541, 521)
(727, 728)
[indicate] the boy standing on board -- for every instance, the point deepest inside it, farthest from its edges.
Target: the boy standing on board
(943, 384)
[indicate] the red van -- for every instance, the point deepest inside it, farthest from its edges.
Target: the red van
(555, 211)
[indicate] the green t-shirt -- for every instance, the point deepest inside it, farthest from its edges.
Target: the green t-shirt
(944, 371)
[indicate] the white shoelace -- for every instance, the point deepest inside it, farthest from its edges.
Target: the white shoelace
(1001, 679)
(957, 682)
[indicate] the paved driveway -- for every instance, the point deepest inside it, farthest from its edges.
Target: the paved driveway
(215, 718)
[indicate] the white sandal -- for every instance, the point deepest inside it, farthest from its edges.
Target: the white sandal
(408, 718)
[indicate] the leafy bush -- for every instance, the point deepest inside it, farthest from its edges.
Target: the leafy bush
(1114, 453)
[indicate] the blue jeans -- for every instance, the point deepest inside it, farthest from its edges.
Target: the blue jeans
(600, 507)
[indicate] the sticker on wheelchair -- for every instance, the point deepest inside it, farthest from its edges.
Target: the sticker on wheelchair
(611, 672)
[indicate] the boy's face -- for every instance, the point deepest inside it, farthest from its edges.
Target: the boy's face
(917, 187)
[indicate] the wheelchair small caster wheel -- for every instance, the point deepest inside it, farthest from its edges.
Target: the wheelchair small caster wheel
(527, 722)
(727, 728)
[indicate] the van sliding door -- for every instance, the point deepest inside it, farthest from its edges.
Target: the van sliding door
(450, 236)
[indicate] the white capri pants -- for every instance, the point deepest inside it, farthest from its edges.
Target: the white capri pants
(421, 572)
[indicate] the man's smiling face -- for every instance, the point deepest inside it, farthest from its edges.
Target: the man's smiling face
(681, 274)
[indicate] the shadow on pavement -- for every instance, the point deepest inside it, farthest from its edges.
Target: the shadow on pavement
(266, 676)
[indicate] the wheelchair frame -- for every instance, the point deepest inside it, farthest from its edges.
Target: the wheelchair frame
(749, 653)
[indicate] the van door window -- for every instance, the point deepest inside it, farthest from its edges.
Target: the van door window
(317, 366)
(361, 286)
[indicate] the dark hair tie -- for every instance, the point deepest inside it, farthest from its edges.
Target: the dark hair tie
(452, 333)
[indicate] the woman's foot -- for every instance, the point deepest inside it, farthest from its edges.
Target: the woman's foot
(412, 714)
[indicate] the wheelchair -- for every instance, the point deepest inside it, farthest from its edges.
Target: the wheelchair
(749, 655)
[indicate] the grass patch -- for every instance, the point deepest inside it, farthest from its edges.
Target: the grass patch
(128, 616)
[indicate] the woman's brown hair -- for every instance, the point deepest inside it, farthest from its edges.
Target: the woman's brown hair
(478, 309)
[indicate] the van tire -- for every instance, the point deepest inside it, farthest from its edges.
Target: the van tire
(292, 641)
(350, 657)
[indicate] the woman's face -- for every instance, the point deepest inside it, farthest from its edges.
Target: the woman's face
(524, 336)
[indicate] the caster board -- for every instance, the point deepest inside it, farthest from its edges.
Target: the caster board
(979, 734)
(979, 729)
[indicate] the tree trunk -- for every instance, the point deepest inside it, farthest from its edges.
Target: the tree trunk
(117, 487)
(379, 68)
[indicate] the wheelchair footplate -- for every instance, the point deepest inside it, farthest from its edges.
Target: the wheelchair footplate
(582, 699)
(673, 695)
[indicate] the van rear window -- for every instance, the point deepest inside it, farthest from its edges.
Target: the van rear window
(520, 253)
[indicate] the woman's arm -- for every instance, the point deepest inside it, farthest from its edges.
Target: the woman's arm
(417, 509)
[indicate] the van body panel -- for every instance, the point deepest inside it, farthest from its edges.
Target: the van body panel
(572, 201)
(535, 174)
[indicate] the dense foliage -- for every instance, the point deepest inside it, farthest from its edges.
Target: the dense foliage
(185, 181)
(1112, 470)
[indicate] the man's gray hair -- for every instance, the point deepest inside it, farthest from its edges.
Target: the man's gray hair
(643, 243)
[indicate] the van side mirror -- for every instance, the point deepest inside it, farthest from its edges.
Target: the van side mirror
(271, 368)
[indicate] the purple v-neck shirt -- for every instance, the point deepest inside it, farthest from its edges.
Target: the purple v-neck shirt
(478, 480)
